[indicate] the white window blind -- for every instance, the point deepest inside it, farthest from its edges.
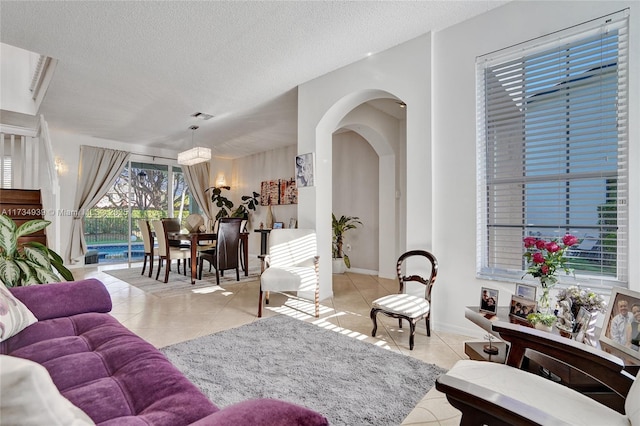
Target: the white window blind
(6, 172)
(552, 151)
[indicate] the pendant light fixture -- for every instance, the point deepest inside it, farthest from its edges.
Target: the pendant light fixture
(195, 155)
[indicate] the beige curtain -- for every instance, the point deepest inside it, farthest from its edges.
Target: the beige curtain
(197, 177)
(97, 171)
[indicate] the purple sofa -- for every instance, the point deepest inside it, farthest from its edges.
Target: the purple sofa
(116, 377)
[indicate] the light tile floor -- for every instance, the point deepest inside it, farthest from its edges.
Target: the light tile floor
(165, 321)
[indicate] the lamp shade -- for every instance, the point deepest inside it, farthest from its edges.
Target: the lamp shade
(194, 156)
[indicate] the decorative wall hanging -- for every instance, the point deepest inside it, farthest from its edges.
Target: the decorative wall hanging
(278, 191)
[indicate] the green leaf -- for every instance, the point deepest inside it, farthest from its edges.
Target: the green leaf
(38, 256)
(347, 261)
(62, 270)
(8, 241)
(6, 221)
(29, 276)
(31, 227)
(9, 272)
(46, 275)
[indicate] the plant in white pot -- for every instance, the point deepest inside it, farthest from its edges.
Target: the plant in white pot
(340, 227)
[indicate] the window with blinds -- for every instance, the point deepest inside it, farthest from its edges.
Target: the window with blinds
(552, 151)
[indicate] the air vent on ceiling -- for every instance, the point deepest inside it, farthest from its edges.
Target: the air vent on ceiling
(202, 115)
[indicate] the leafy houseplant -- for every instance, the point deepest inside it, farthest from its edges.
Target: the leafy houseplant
(28, 263)
(249, 202)
(340, 227)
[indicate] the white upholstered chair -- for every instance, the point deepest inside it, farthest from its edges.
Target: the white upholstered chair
(167, 253)
(405, 306)
(291, 265)
(503, 394)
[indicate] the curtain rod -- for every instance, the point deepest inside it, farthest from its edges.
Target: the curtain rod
(153, 156)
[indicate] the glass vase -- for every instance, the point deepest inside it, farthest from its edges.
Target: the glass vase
(543, 302)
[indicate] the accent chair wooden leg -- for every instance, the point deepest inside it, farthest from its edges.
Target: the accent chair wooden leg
(237, 273)
(200, 267)
(412, 334)
(150, 265)
(260, 304)
(428, 321)
(373, 314)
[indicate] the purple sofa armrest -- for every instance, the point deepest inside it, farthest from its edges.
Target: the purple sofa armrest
(64, 299)
(263, 412)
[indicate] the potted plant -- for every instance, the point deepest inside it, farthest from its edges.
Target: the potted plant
(27, 263)
(340, 227)
(249, 202)
(542, 321)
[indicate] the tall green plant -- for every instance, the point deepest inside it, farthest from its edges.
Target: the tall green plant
(31, 262)
(340, 227)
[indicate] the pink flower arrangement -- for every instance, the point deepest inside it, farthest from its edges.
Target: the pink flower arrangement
(546, 257)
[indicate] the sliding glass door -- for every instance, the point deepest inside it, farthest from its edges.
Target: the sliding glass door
(142, 191)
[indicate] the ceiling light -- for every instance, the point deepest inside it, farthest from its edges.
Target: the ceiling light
(194, 155)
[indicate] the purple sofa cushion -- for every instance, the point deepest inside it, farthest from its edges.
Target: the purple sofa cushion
(109, 372)
(74, 297)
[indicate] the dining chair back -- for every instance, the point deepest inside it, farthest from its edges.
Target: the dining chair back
(225, 254)
(148, 241)
(172, 224)
(405, 306)
(166, 252)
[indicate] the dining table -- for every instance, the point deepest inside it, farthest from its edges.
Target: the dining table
(195, 237)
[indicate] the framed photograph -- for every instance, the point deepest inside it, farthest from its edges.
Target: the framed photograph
(527, 291)
(488, 300)
(581, 324)
(521, 307)
(621, 326)
(293, 223)
(305, 165)
(278, 225)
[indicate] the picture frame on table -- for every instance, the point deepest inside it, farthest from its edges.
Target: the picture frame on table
(525, 290)
(293, 223)
(611, 333)
(581, 324)
(521, 307)
(278, 225)
(488, 300)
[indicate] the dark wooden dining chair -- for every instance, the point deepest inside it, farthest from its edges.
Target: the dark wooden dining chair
(405, 306)
(225, 255)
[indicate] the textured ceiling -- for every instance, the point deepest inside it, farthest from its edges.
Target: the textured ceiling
(135, 71)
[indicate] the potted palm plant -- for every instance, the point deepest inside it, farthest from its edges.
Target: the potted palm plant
(340, 227)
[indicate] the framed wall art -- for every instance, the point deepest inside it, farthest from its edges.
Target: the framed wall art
(305, 165)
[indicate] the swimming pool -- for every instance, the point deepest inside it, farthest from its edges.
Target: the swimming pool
(112, 253)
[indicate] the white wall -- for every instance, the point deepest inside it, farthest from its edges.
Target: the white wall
(454, 202)
(16, 69)
(402, 72)
(355, 193)
(249, 172)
